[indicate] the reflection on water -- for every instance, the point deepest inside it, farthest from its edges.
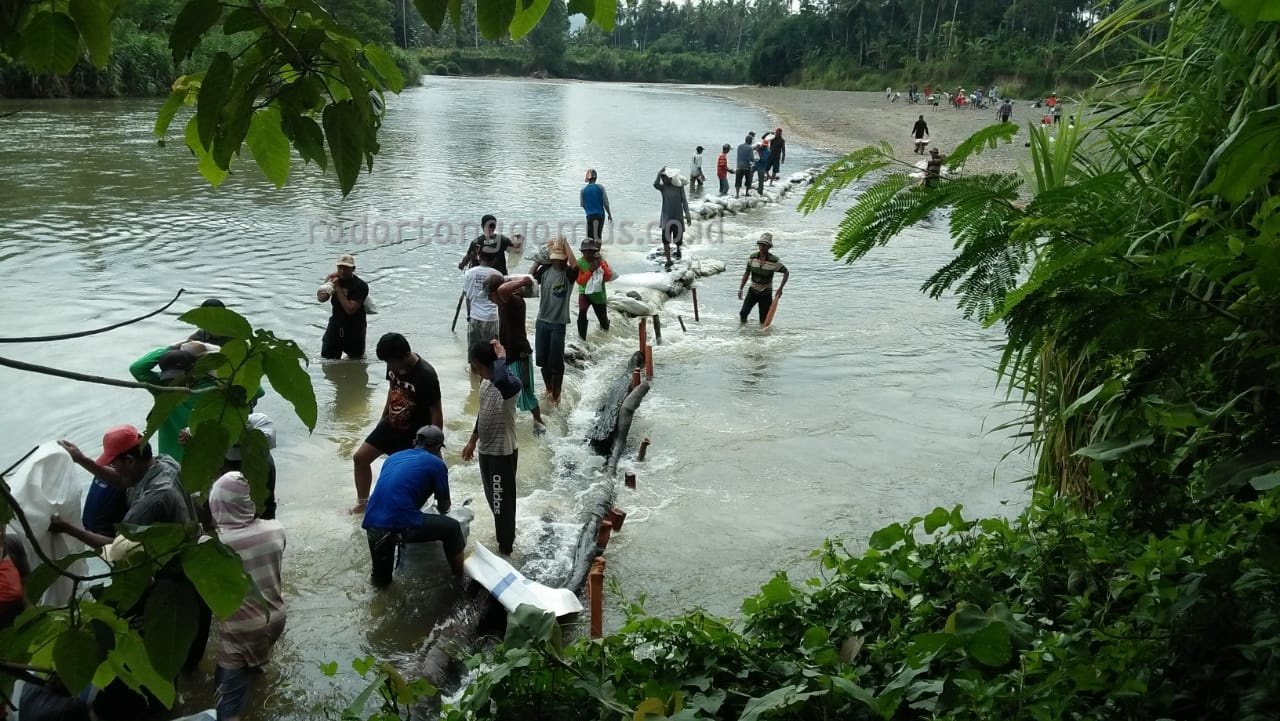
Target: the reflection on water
(875, 397)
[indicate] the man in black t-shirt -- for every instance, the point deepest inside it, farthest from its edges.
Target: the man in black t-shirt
(491, 245)
(347, 294)
(412, 402)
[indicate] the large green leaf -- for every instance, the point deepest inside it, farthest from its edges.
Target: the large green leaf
(1250, 12)
(1113, 449)
(169, 626)
(494, 17)
(204, 161)
(218, 575)
(77, 656)
(93, 20)
(530, 624)
(990, 645)
(775, 700)
(219, 321)
(385, 66)
(195, 19)
(344, 130)
(293, 384)
(1246, 160)
(527, 17)
(50, 44)
(171, 106)
(133, 665)
(254, 449)
(205, 456)
(432, 11)
(269, 145)
(215, 90)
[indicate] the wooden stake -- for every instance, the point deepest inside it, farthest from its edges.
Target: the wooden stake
(648, 362)
(644, 448)
(695, 304)
(657, 330)
(644, 334)
(595, 588)
(682, 328)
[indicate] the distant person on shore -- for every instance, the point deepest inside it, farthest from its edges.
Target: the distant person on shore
(514, 336)
(760, 270)
(675, 210)
(1057, 113)
(1006, 111)
(722, 169)
(246, 637)
(494, 437)
(742, 171)
(347, 323)
(777, 154)
(920, 131)
(413, 401)
(491, 245)
(408, 480)
(762, 165)
(593, 273)
(595, 203)
(933, 168)
(557, 277)
(888, 93)
(482, 322)
(696, 176)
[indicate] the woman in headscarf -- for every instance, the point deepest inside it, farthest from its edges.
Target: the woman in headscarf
(245, 638)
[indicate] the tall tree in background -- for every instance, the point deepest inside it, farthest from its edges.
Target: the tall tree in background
(550, 38)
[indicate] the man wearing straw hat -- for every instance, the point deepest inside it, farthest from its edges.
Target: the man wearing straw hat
(760, 270)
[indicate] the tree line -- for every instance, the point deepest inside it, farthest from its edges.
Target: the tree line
(1027, 47)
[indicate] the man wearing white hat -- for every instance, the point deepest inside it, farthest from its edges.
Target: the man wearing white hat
(348, 323)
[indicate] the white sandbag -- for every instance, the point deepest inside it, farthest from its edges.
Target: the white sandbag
(206, 715)
(512, 589)
(703, 267)
(630, 306)
(48, 483)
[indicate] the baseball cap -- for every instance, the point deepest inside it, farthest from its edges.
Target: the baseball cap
(766, 239)
(347, 259)
(175, 364)
(590, 244)
(116, 441)
(431, 436)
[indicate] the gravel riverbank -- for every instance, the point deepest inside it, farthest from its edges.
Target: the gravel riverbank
(843, 121)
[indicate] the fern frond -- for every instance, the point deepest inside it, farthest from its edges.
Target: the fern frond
(987, 138)
(844, 172)
(881, 212)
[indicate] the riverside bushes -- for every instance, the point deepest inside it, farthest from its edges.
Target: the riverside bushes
(593, 63)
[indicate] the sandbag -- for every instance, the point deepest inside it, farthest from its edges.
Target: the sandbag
(49, 483)
(512, 588)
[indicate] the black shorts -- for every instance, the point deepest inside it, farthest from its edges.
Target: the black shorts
(340, 337)
(775, 164)
(741, 176)
(390, 440)
(384, 541)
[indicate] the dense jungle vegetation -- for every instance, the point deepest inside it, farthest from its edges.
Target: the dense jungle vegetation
(838, 44)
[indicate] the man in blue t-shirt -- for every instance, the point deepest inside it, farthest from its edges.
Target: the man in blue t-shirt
(595, 203)
(394, 513)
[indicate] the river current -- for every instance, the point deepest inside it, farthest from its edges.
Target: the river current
(865, 404)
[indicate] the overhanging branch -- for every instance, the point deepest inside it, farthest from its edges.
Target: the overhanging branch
(83, 333)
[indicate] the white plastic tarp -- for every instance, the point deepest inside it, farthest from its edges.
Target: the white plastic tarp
(511, 588)
(49, 483)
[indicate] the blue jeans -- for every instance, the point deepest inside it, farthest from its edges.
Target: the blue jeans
(724, 185)
(233, 686)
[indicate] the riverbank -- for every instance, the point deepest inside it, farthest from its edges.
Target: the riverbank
(840, 122)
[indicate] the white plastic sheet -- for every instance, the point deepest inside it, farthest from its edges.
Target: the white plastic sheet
(49, 483)
(511, 588)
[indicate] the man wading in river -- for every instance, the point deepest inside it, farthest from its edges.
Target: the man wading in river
(413, 401)
(494, 437)
(348, 323)
(556, 274)
(760, 269)
(514, 337)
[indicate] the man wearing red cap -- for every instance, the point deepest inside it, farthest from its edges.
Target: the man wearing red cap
(777, 154)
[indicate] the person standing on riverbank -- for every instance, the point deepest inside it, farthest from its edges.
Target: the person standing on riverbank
(742, 172)
(514, 337)
(593, 273)
(494, 436)
(413, 401)
(408, 480)
(348, 322)
(920, 131)
(722, 169)
(675, 210)
(777, 154)
(556, 276)
(760, 270)
(1006, 111)
(247, 637)
(595, 203)
(482, 314)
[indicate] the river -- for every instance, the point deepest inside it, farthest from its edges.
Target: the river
(866, 403)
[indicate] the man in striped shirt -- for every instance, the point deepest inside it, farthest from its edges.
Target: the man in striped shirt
(495, 437)
(245, 638)
(760, 270)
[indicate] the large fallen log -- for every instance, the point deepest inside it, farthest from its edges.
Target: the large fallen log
(604, 430)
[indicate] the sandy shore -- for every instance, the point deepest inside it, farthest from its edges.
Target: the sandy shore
(843, 121)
